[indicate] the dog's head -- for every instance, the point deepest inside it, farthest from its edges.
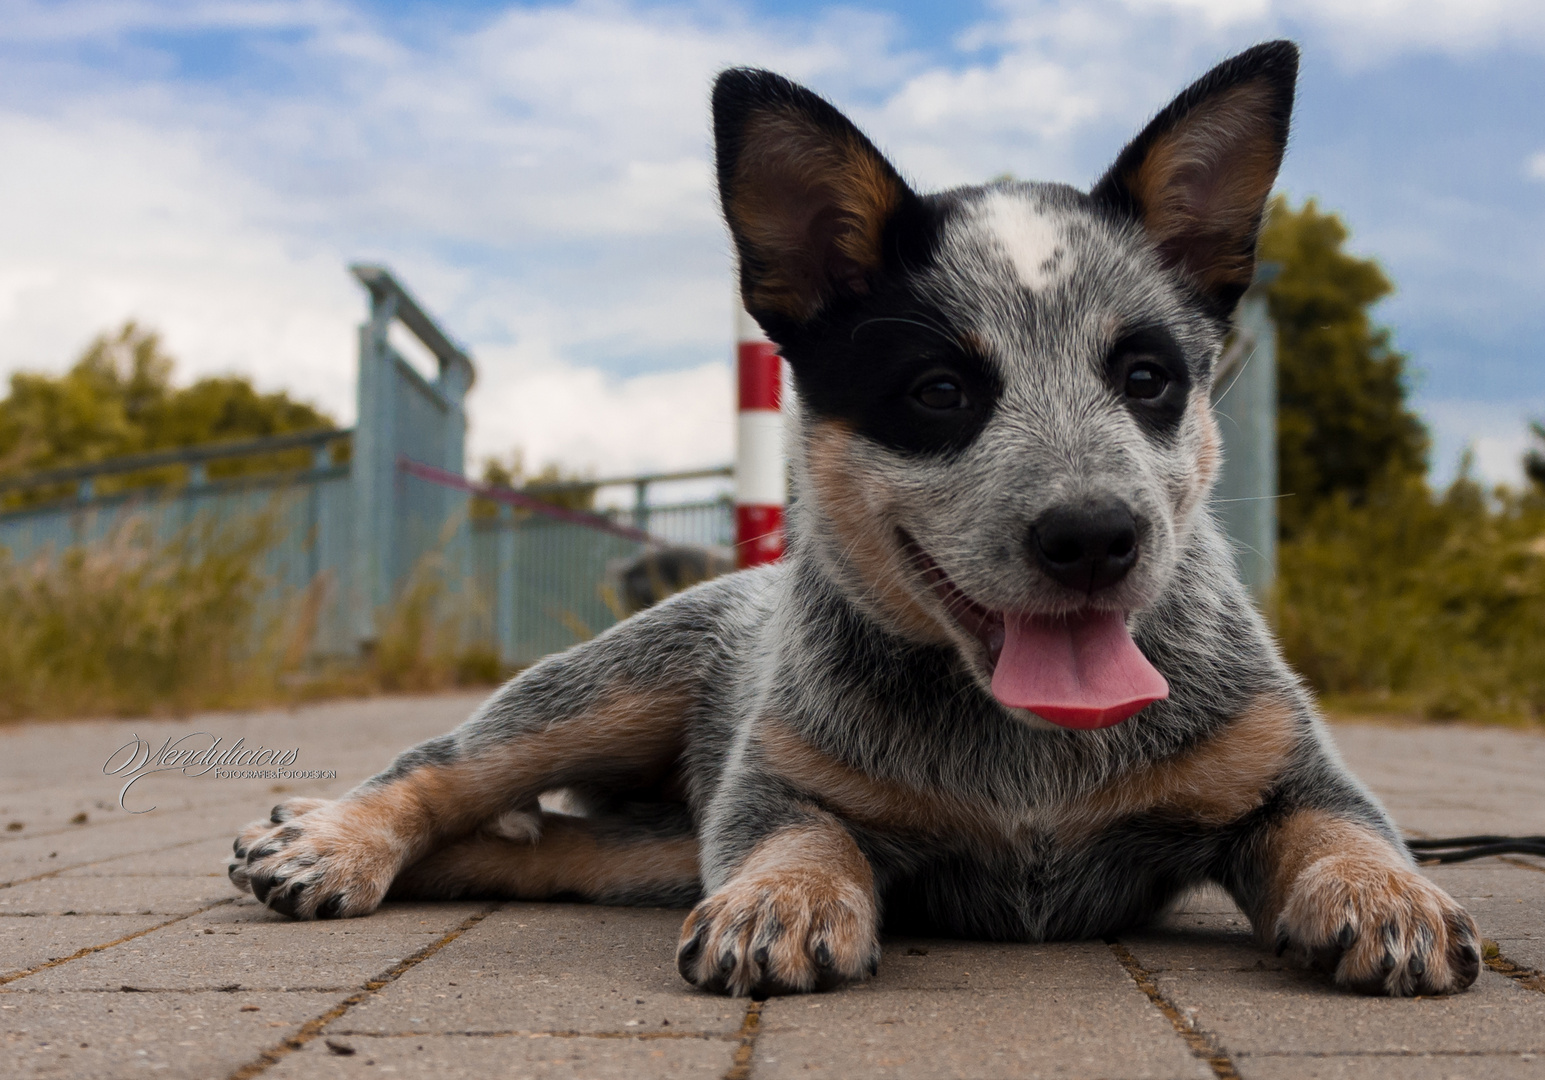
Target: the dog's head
(1003, 390)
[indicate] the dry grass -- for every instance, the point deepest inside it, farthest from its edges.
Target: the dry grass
(133, 625)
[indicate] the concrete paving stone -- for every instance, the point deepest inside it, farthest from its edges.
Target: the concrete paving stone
(190, 858)
(1436, 816)
(1191, 942)
(1256, 1012)
(544, 1057)
(1506, 901)
(127, 895)
(552, 967)
(84, 1036)
(119, 839)
(1207, 900)
(245, 944)
(982, 1035)
(927, 964)
(28, 941)
(1393, 1067)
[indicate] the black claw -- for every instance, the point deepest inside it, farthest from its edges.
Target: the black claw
(1468, 965)
(1417, 965)
(261, 887)
(874, 967)
(277, 815)
(236, 847)
(1283, 941)
(823, 955)
(727, 963)
(688, 953)
(283, 903)
(258, 854)
(330, 908)
(1388, 963)
(1346, 937)
(760, 956)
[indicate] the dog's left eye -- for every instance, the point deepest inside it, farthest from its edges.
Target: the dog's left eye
(1146, 382)
(942, 394)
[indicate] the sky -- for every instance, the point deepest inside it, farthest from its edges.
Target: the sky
(538, 174)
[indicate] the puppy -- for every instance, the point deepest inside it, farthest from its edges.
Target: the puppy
(1006, 683)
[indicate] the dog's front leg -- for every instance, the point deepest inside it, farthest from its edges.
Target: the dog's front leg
(591, 714)
(794, 906)
(1339, 895)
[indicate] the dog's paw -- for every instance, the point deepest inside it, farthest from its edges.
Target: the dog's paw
(1380, 929)
(236, 869)
(317, 859)
(781, 933)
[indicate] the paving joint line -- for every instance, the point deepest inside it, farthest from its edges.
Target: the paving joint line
(313, 1028)
(522, 1033)
(1327, 1055)
(89, 949)
(1526, 977)
(1202, 1044)
(750, 1028)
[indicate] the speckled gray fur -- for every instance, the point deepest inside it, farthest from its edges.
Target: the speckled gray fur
(1036, 276)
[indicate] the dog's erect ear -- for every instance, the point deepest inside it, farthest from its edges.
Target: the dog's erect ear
(1198, 176)
(807, 197)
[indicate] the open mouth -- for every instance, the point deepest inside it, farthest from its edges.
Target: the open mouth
(1078, 671)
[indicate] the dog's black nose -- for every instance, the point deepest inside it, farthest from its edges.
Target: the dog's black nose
(1086, 547)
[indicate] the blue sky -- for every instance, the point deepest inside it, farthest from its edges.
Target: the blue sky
(538, 174)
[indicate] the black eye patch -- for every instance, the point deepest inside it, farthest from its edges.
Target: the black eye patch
(1149, 375)
(896, 371)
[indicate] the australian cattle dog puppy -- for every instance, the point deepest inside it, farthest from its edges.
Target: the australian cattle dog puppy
(1006, 683)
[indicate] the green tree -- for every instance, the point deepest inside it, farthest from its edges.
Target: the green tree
(118, 398)
(1534, 460)
(1343, 426)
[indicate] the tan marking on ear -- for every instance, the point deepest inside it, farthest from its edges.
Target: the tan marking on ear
(1213, 783)
(801, 888)
(885, 805)
(864, 542)
(794, 180)
(1228, 218)
(567, 857)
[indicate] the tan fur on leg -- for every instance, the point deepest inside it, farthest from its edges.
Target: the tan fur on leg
(1342, 898)
(800, 914)
(567, 856)
(339, 859)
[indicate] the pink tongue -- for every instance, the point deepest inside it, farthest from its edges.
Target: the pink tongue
(1083, 672)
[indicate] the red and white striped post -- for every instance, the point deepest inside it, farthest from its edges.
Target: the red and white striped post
(761, 486)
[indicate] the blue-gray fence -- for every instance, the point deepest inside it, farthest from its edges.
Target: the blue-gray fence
(352, 525)
(359, 511)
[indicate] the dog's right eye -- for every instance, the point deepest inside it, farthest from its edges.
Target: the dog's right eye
(1146, 381)
(943, 394)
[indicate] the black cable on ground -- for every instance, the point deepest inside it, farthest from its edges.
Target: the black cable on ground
(1452, 849)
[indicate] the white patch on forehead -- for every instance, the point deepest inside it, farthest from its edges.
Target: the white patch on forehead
(1030, 239)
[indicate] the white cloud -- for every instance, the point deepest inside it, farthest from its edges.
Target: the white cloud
(1535, 166)
(1367, 30)
(541, 179)
(588, 421)
(1496, 432)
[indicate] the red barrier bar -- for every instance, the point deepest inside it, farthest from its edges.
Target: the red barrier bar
(760, 483)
